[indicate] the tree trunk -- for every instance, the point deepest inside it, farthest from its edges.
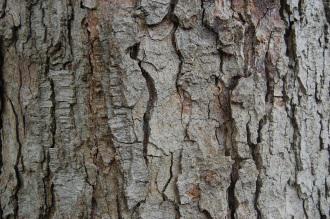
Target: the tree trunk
(163, 109)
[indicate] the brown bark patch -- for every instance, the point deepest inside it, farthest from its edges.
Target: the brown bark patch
(194, 192)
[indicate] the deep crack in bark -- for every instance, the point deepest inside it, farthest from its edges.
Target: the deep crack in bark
(134, 50)
(1, 109)
(1, 102)
(18, 158)
(150, 106)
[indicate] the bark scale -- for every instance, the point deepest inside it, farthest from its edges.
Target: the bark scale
(164, 109)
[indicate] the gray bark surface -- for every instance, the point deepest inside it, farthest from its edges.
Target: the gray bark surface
(161, 109)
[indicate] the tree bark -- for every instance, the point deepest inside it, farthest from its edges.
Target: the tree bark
(164, 109)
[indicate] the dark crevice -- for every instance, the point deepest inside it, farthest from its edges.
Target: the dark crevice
(19, 100)
(326, 4)
(176, 189)
(322, 215)
(203, 13)
(3, 9)
(82, 5)
(269, 69)
(291, 52)
(93, 200)
(254, 148)
(136, 207)
(52, 206)
(29, 22)
(326, 36)
(258, 161)
(69, 25)
(296, 138)
(185, 98)
(257, 194)
(1, 108)
(49, 187)
(263, 16)
(322, 147)
(301, 9)
(52, 113)
(150, 106)
(262, 122)
(18, 158)
(232, 201)
(177, 210)
(179, 89)
(305, 210)
(296, 148)
(234, 82)
(269, 99)
(171, 14)
(221, 57)
(1, 99)
(289, 35)
(165, 198)
(43, 15)
(249, 49)
(169, 179)
(94, 205)
(49, 191)
(14, 38)
(133, 51)
(207, 214)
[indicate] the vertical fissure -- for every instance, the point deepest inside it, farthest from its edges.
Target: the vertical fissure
(134, 50)
(1, 100)
(69, 25)
(3, 11)
(232, 201)
(175, 22)
(257, 160)
(52, 112)
(169, 179)
(326, 5)
(293, 78)
(269, 98)
(48, 184)
(148, 113)
(1, 109)
(18, 158)
(179, 90)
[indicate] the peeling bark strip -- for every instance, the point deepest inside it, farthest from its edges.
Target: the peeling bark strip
(164, 109)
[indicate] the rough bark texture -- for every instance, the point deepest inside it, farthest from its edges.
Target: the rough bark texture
(164, 109)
